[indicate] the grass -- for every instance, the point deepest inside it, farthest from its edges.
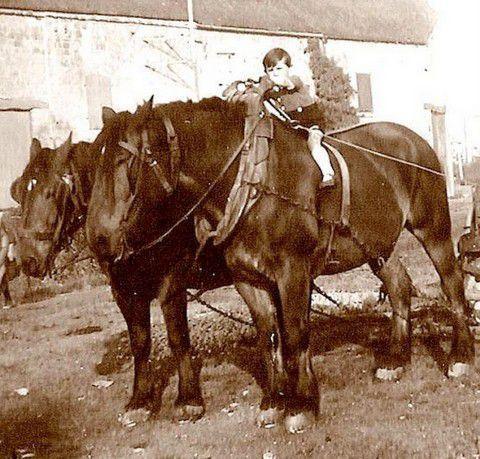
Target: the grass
(59, 346)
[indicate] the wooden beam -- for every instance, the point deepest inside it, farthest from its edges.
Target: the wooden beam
(21, 105)
(440, 144)
(440, 109)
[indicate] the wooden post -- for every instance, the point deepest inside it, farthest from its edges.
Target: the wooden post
(321, 45)
(193, 54)
(440, 145)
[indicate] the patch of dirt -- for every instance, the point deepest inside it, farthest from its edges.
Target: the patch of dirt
(84, 330)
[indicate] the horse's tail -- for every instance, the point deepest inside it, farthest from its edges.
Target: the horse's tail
(428, 195)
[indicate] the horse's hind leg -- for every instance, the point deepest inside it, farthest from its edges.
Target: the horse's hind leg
(263, 305)
(438, 244)
(6, 293)
(392, 362)
(4, 287)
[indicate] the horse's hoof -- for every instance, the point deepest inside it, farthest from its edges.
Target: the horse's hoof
(269, 418)
(297, 423)
(458, 369)
(188, 412)
(389, 374)
(134, 416)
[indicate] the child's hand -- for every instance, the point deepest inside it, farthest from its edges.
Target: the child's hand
(231, 90)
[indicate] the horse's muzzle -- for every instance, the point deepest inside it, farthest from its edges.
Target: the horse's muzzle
(102, 248)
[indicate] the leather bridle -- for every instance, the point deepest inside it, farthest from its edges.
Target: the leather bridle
(73, 189)
(145, 155)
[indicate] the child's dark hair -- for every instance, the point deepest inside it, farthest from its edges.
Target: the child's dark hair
(274, 56)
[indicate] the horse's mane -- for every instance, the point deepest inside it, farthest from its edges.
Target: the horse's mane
(232, 111)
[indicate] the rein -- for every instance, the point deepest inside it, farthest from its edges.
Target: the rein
(383, 155)
(146, 157)
(284, 117)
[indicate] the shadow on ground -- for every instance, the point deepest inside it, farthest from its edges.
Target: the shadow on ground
(218, 340)
(38, 430)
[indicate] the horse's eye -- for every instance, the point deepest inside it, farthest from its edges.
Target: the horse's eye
(119, 160)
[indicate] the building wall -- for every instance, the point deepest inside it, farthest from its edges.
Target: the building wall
(59, 60)
(399, 80)
(77, 63)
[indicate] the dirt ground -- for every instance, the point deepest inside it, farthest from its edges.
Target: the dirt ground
(52, 352)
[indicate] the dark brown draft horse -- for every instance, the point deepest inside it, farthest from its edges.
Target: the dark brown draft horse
(140, 192)
(54, 191)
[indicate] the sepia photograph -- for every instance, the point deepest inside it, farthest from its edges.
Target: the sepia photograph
(239, 228)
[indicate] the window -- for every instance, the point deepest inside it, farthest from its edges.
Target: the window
(99, 94)
(364, 89)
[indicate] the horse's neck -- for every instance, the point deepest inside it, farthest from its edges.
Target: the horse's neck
(205, 157)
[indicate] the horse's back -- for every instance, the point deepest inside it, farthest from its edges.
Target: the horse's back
(385, 192)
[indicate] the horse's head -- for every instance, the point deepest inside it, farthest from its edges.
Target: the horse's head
(43, 191)
(138, 168)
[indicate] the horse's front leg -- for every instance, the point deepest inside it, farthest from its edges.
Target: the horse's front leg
(302, 398)
(263, 304)
(136, 312)
(173, 299)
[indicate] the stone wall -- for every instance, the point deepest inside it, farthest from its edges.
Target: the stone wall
(76, 64)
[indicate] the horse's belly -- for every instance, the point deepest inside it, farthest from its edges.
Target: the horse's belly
(344, 256)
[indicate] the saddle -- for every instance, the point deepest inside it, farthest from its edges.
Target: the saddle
(252, 171)
(252, 177)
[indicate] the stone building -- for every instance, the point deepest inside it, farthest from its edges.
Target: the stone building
(62, 61)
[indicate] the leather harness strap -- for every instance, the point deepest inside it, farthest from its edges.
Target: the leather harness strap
(345, 177)
(146, 155)
(174, 147)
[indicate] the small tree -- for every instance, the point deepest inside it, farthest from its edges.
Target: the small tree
(332, 87)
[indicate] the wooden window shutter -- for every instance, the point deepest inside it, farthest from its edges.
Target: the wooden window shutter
(364, 88)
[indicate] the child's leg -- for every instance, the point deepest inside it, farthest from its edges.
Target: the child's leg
(320, 155)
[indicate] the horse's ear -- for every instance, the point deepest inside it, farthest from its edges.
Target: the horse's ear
(65, 149)
(145, 111)
(108, 114)
(149, 104)
(68, 143)
(35, 147)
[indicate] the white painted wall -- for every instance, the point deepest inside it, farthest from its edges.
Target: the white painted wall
(224, 57)
(399, 79)
(455, 61)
